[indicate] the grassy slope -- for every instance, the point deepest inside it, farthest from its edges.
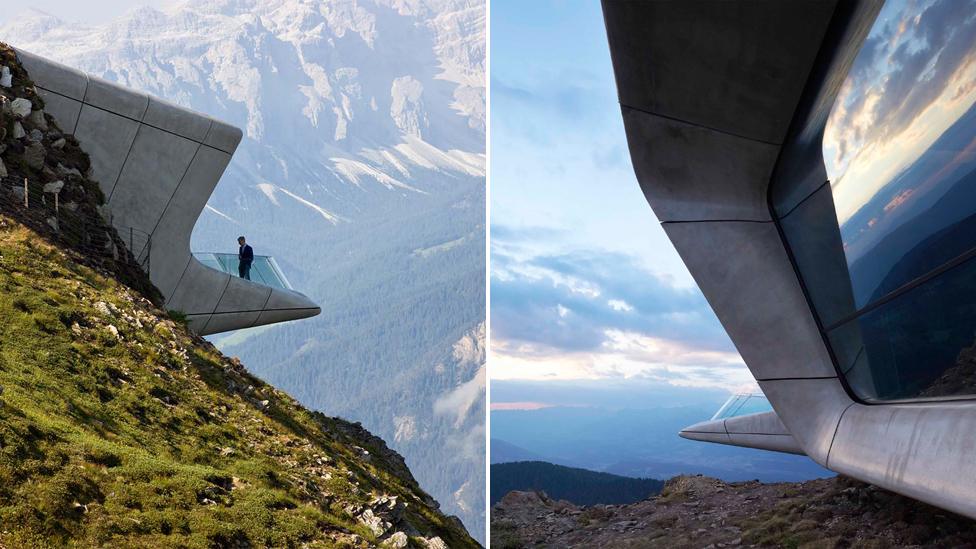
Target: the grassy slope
(154, 439)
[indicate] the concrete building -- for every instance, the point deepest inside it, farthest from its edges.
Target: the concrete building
(814, 164)
(157, 164)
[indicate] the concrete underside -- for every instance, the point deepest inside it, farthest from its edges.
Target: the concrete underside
(157, 164)
(719, 100)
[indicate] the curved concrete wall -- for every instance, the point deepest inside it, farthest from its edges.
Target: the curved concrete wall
(157, 164)
(718, 100)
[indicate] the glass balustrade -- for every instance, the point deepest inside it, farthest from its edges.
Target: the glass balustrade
(264, 269)
(743, 404)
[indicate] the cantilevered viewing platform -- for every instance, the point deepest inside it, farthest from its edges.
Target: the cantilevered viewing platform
(157, 164)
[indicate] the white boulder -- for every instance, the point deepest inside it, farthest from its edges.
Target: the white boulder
(21, 107)
(38, 120)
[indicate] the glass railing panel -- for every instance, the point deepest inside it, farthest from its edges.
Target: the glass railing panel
(264, 269)
(743, 404)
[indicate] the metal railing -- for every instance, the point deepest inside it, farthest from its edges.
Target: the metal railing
(264, 269)
(80, 228)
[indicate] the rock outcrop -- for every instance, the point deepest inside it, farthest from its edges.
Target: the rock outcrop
(697, 511)
(46, 184)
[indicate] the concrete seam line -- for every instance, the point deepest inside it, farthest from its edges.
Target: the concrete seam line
(222, 292)
(701, 126)
(834, 437)
(263, 307)
(804, 199)
(682, 221)
(261, 311)
(84, 96)
(764, 434)
(182, 274)
(151, 125)
(146, 110)
(177, 190)
(125, 161)
(812, 378)
(82, 103)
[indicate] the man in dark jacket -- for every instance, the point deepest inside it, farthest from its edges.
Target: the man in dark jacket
(244, 256)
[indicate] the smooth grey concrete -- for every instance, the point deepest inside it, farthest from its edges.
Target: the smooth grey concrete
(224, 322)
(712, 63)
(54, 77)
(763, 430)
(198, 289)
(165, 155)
(273, 316)
(157, 164)
(239, 295)
(172, 234)
(107, 138)
(810, 409)
(175, 119)
(745, 274)
(116, 99)
(922, 450)
(223, 136)
(739, 68)
(687, 168)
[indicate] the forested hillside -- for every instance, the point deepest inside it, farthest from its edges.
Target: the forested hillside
(577, 486)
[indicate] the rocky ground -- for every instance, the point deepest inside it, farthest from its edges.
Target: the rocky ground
(697, 511)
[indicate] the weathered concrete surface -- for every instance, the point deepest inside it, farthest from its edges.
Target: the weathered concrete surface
(158, 163)
(744, 271)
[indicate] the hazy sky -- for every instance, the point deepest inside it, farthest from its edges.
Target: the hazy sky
(585, 284)
(86, 11)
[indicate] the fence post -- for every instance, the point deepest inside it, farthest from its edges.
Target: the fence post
(26, 195)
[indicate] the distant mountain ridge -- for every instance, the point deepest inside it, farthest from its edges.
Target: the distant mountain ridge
(364, 143)
(641, 442)
(579, 486)
(506, 452)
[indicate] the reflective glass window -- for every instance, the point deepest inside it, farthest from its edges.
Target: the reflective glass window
(900, 153)
(900, 146)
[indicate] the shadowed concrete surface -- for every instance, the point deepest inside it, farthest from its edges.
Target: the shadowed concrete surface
(157, 165)
(721, 100)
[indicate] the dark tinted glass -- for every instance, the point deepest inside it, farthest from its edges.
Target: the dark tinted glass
(918, 345)
(900, 155)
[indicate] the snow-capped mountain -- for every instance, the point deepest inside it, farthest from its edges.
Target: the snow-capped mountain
(362, 171)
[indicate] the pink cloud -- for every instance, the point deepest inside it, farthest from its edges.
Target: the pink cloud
(520, 405)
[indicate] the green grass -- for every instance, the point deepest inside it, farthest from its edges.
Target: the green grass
(152, 438)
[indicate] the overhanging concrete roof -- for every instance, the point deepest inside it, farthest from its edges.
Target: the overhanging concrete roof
(157, 164)
(720, 99)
